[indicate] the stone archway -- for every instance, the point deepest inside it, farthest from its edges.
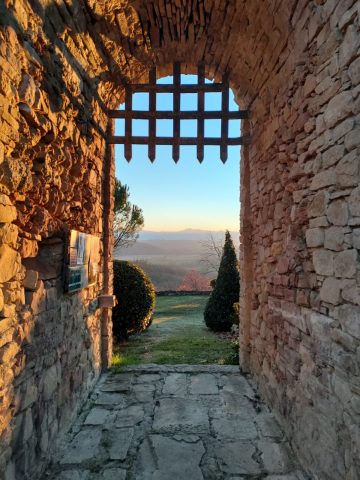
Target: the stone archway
(296, 66)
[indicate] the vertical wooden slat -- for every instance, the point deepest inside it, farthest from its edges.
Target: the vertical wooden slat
(128, 125)
(152, 120)
(224, 120)
(176, 109)
(200, 122)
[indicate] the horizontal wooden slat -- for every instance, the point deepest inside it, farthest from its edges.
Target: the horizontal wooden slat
(171, 88)
(188, 115)
(182, 140)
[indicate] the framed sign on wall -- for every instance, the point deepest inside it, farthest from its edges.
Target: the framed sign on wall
(82, 261)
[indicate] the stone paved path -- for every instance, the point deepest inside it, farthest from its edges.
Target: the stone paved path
(180, 422)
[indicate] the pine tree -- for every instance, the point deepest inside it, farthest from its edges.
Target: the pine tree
(219, 308)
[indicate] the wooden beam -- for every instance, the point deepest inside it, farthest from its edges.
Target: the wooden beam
(128, 126)
(138, 140)
(176, 105)
(200, 116)
(152, 117)
(186, 115)
(171, 88)
(224, 121)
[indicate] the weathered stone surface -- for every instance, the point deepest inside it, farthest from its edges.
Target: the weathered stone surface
(85, 446)
(130, 416)
(317, 207)
(9, 263)
(334, 238)
(338, 108)
(234, 427)
(97, 416)
(275, 457)
(349, 316)
(31, 279)
(237, 458)
(7, 210)
(354, 202)
(323, 262)
(337, 213)
(204, 384)
(330, 290)
(345, 263)
(119, 442)
(175, 384)
(162, 458)
(114, 474)
(315, 237)
(174, 414)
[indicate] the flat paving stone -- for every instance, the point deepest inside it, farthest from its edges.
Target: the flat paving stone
(97, 416)
(203, 384)
(113, 474)
(238, 458)
(175, 422)
(84, 446)
(175, 384)
(180, 414)
(113, 400)
(130, 416)
(164, 458)
(117, 442)
(233, 427)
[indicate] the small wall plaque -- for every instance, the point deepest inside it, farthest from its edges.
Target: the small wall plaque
(83, 257)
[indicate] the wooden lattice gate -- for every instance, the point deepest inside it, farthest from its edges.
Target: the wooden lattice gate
(176, 115)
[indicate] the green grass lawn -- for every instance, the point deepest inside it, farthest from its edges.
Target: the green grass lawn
(177, 335)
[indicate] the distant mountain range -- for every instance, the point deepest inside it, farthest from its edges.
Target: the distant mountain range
(183, 242)
(187, 234)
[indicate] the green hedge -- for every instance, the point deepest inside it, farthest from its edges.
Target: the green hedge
(135, 294)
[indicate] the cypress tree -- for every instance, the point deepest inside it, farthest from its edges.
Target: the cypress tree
(219, 308)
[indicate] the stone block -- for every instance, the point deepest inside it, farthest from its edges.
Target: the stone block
(85, 446)
(8, 353)
(9, 263)
(118, 442)
(331, 156)
(314, 237)
(338, 213)
(339, 107)
(317, 207)
(323, 179)
(330, 290)
(323, 262)
(354, 202)
(9, 234)
(334, 238)
(7, 210)
(345, 264)
(275, 457)
(237, 458)
(204, 384)
(97, 416)
(31, 280)
(349, 318)
(354, 72)
(349, 46)
(49, 382)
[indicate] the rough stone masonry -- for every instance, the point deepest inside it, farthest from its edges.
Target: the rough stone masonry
(295, 65)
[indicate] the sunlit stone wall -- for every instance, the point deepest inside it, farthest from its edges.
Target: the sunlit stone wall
(295, 65)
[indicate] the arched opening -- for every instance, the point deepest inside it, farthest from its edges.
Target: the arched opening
(197, 201)
(295, 65)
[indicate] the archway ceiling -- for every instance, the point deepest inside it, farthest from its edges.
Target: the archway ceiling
(244, 37)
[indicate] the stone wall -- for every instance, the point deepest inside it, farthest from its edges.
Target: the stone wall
(301, 301)
(295, 65)
(52, 152)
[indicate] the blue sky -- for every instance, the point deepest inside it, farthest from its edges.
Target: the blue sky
(187, 194)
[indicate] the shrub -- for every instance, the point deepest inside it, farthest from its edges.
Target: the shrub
(136, 300)
(219, 310)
